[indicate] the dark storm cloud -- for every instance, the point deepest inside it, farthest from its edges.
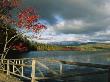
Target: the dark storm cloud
(93, 12)
(69, 9)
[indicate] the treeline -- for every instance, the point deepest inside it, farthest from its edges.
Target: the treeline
(44, 47)
(95, 47)
(49, 47)
(87, 47)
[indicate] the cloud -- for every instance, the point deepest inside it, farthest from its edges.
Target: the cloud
(72, 26)
(79, 17)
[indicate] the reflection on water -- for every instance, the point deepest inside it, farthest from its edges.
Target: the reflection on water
(89, 57)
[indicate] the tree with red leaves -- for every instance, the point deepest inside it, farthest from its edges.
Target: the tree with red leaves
(26, 19)
(20, 47)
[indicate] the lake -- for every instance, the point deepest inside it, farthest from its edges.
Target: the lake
(100, 57)
(97, 57)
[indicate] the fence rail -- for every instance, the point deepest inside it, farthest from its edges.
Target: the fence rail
(17, 67)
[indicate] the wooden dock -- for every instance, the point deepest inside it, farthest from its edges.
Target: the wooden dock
(18, 67)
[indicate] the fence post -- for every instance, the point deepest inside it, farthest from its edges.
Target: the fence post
(13, 66)
(8, 67)
(22, 68)
(61, 68)
(33, 70)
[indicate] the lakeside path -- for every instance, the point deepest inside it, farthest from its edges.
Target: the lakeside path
(7, 78)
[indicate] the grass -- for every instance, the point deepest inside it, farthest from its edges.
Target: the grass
(8, 78)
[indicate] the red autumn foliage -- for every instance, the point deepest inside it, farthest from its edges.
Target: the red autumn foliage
(15, 3)
(10, 3)
(5, 3)
(5, 7)
(20, 47)
(27, 19)
(38, 27)
(30, 19)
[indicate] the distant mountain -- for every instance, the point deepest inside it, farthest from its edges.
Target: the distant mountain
(89, 43)
(66, 43)
(71, 43)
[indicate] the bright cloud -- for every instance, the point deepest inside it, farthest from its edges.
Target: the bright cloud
(74, 20)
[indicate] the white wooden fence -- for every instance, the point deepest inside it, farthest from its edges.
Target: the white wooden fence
(17, 67)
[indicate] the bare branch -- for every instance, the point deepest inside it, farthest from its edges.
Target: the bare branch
(14, 37)
(5, 40)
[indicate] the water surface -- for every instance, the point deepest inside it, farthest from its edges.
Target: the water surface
(77, 56)
(99, 57)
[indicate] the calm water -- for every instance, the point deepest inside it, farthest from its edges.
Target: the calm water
(79, 56)
(89, 57)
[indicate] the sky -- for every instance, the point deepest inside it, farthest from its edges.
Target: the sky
(73, 20)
